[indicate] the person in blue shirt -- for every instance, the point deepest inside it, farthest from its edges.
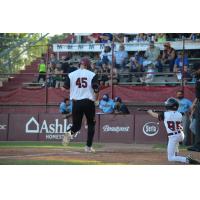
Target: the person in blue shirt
(181, 65)
(185, 109)
(119, 107)
(65, 106)
(121, 57)
(106, 104)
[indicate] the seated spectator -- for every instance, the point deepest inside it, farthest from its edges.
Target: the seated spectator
(103, 75)
(115, 78)
(95, 37)
(106, 38)
(180, 62)
(106, 104)
(121, 57)
(136, 64)
(42, 71)
(64, 66)
(119, 107)
(105, 56)
(168, 56)
(152, 56)
(148, 78)
(65, 106)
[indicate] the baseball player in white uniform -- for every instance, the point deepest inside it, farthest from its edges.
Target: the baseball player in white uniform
(172, 121)
(84, 89)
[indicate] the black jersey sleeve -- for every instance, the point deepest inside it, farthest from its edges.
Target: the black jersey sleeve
(67, 82)
(161, 116)
(95, 84)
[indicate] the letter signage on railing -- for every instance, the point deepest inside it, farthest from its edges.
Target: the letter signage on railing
(135, 46)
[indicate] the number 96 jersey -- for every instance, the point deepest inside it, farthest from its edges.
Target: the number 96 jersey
(172, 121)
(81, 82)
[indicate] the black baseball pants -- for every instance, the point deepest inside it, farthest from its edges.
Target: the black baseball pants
(84, 107)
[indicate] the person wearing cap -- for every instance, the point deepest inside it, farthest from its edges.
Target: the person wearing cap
(119, 107)
(106, 104)
(84, 89)
(168, 56)
(65, 106)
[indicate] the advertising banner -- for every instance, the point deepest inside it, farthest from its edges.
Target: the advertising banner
(149, 129)
(116, 128)
(3, 126)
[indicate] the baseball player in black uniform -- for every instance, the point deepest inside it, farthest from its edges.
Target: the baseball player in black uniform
(84, 89)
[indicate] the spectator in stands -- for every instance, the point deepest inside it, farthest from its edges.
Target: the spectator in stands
(136, 64)
(58, 76)
(105, 56)
(148, 78)
(152, 56)
(115, 78)
(53, 60)
(106, 104)
(160, 37)
(180, 62)
(185, 109)
(42, 71)
(121, 57)
(169, 56)
(119, 107)
(64, 66)
(95, 37)
(103, 75)
(65, 106)
(106, 38)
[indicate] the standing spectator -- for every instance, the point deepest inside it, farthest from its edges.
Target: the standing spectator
(115, 78)
(161, 37)
(196, 146)
(119, 107)
(169, 56)
(152, 55)
(84, 89)
(106, 104)
(42, 71)
(180, 62)
(121, 57)
(185, 109)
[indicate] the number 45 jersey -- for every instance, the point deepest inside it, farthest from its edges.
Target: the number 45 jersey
(172, 121)
(81, 82)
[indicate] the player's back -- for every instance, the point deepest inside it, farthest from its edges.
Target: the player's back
(81, 84)
(172, 121)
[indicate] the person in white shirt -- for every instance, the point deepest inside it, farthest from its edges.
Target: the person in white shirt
(172, 121)
(84, 89)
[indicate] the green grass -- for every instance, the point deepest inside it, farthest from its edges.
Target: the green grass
(28, 144)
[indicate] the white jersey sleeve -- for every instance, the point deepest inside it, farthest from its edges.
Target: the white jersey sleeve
(81, 85)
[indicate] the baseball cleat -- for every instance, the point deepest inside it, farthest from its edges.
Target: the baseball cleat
(67, 137)
(89, 149)
(192, 161)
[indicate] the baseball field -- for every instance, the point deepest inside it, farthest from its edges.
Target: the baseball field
(53, 153)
